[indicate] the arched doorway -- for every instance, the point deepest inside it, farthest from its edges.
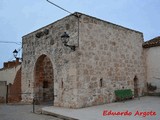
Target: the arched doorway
(135, 86)
(44, 84)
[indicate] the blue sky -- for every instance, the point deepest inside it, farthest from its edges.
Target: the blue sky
(20, 17)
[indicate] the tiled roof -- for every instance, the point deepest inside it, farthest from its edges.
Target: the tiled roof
(152, 43)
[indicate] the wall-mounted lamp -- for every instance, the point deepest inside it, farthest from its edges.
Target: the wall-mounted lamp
(15, 53)
(65, 39)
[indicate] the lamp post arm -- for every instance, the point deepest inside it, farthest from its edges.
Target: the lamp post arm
(73, 47)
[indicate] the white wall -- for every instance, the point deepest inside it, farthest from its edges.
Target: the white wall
(9, 74)
(153, 66)
(3, 91)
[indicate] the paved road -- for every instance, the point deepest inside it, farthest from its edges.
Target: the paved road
(145, 108)
(21, 112)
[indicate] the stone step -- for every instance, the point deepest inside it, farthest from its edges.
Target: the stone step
(57, 115)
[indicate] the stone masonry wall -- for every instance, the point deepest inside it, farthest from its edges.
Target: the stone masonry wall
(110, 57)
(47, 41)
(107, 58)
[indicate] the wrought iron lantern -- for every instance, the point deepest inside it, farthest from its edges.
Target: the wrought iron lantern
(65, 40)
(15, 53)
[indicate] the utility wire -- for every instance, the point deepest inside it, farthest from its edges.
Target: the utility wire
(18, 43)
(59, 7)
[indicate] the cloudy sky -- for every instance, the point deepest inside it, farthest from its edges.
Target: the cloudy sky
(20, 17)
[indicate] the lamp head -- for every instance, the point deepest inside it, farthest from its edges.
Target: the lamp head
(15, 52)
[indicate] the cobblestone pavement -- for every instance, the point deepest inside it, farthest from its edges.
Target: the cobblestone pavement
(22, 112)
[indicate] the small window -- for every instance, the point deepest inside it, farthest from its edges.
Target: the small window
(29, 84)
(101, 82)
(62, 84)
(45, 84)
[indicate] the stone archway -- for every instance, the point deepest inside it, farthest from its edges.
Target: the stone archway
(44, 80)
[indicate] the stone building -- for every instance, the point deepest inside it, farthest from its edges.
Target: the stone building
(152, 49)
(107, 57)
(10, 82)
